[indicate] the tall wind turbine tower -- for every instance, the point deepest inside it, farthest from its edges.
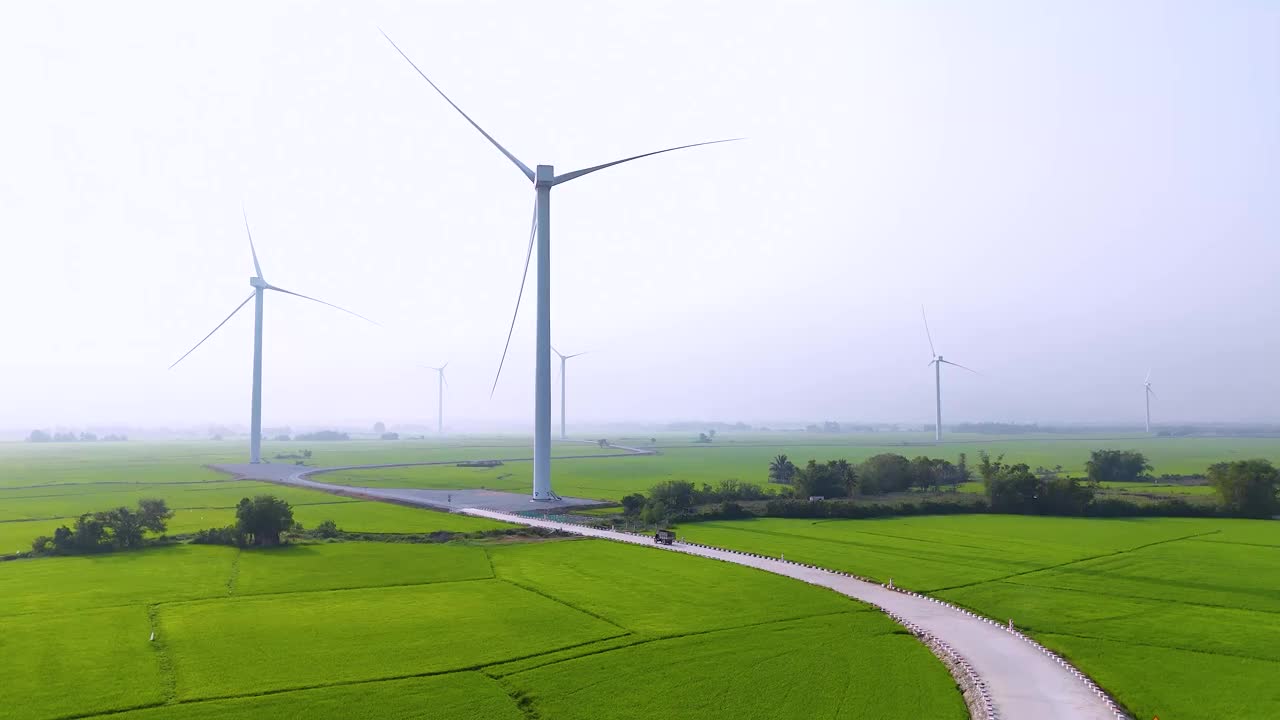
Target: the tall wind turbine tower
(543, 179)
(1148, 392)
(937, 362)
(260, 286)
(440, 383)
(563, 358)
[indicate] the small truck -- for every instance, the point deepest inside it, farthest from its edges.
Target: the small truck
(666, 537)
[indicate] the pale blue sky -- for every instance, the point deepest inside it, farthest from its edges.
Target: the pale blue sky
(1077, 190)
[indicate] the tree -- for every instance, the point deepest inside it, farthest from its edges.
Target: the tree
(1247, 487)
(1060, 495)
(603, 443)
(654, 513)
(921, 472)
(328, 529)
(390, 436)
(379, 427)
(835, 478)
(674, 494)
(262, 519)
(703, 438)
(1116, 466)
(38, 436)
(782, 470)
(1010, 488)
(632, 504)
(884, 473)
(282, 438)
(155, 514)
(88, 437)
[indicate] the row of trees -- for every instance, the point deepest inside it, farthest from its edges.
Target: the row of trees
(677, 497)
(121, 528)
(1247, 487)
(260, 521)
(41, 436)
(877, 475)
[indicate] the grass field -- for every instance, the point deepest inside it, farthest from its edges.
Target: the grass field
(564, 629)
(748, 459)
(1179, 618)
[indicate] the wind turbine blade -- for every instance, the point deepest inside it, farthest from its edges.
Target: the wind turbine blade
(586, 171)
(523, 168)
(1153, 392)
(211, 332)
(557, 352)
(975, 372)
(533, 226)
(322, 302)
(927, 333)
(256, 267)
(1148, 380)
(584, 352)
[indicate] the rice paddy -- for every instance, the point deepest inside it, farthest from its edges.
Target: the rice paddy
(1176, 617)
(574, 629)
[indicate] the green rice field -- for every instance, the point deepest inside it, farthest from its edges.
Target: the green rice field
(1178, 618)
(747, 458)
(564, 629)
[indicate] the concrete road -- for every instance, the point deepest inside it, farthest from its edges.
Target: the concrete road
(1023, 682)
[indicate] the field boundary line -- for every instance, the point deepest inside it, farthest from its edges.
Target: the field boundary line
(646, 640)
(245, 597)
(1144, 598)
(168, 675)
(1139, 643)
(565, 603)
(1072, 562)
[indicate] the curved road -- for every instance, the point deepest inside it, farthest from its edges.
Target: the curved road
(1022, 681)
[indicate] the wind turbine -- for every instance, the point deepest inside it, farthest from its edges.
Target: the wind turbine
(937, 362)
(260, 286)
(563, 358)
(1146, 384)
(543, 179)
(440, 382)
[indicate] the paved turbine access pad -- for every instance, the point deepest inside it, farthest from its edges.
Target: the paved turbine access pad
(299, 476)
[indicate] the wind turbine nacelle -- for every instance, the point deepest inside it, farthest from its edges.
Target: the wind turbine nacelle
(544, 176)
(258, 283)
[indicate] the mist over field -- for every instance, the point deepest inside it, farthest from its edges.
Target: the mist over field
(1079, 194)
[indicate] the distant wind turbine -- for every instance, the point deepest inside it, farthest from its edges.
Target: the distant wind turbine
(543, 180)
(1146, 384)
(260, 286)
(440, 383)
(937, 362)
(563, 358)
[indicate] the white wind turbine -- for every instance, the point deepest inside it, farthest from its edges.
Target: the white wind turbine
(260, 286)
(563, 358)
(543, 179)
(1146, 384)
(440, 383)
(937, 362)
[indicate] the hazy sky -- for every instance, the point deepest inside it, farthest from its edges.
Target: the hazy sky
(1078, 191)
